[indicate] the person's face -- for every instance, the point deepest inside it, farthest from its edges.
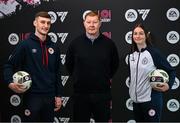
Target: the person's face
(92, 25)
(139, 36)
(42, 25)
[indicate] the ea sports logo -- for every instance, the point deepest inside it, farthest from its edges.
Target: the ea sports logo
(53, 37)
(15, 119)
(53, 16)
(176, 84)
(131, 15)
(85, 13)
(129, 104)
(173, 59)
(128, 37)
(172, 14)
(15, 100)
(173, 105)
(172, 37)
(13, 39)
(131, 121)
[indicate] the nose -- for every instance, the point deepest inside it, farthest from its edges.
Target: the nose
(47, 24)
(91, 24)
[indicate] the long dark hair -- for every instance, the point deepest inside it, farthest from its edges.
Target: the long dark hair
(147, 35)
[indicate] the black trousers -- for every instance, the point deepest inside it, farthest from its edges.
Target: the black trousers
(38, 108)
(95, 105)
(147, 111)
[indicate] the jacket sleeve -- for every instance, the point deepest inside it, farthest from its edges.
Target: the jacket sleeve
(70, 59)
(15, 62)
(58, 83)
(162, 63)
(114, 60)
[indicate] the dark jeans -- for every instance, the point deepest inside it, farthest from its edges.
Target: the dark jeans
(95, 105)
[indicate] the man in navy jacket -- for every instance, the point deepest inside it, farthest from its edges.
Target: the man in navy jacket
(40, 57)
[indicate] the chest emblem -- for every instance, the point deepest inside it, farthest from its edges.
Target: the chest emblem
(144, 61)
(50, 50)
(34, 50)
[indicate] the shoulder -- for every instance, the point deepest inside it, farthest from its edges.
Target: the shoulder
(107, 40)
(22, 44)
(78, 39)
(154, 51)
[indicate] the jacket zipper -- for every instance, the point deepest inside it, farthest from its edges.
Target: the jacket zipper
(137, 75)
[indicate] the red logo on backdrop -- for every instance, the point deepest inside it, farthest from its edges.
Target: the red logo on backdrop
(108, 34)
(24, 36)
(105, 15)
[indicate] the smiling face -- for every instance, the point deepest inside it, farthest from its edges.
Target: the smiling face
(92, 24)
(42, 25)
(139, 36)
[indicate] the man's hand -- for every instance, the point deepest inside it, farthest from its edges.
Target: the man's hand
(58, 103)
(162, 87)
(16, 87)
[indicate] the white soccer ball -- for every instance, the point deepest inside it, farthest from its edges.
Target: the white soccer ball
(23, 78)
(158, 76)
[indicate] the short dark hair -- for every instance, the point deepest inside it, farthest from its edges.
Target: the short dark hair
(43, 14)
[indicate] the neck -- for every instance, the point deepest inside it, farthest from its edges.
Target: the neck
(141, 46)
(94, 36)
(40, 36)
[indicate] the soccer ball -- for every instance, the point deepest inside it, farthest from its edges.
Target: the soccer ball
(158, 76)
(23, 78)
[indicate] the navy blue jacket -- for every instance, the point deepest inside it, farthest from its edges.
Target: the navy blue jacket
(41, 61)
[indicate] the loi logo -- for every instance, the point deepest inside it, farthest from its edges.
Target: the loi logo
(107, 34)
(105, 15)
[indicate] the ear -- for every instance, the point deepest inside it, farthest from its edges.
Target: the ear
(84, 22)
(100, 23)
(34, 23)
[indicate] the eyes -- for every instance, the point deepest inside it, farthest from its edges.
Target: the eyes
(138, 33)
(93, 22)
(45, 22)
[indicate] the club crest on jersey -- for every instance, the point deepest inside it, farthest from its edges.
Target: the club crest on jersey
(50, 50)
(152, 112)
(34, 50)
(27, 112)
(144, 61)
